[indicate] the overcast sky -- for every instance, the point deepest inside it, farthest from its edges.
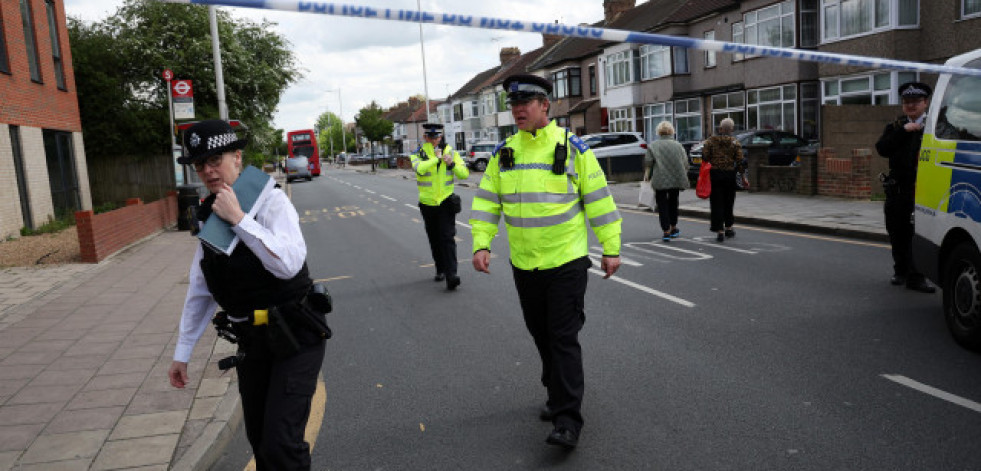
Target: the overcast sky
(381, 60)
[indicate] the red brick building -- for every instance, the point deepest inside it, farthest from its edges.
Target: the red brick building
(43, 174)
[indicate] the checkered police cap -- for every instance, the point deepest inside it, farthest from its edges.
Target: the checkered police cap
(207, 138)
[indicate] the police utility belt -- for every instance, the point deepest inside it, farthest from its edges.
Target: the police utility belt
(275, 325)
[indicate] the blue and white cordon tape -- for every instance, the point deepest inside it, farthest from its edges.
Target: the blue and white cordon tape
(604, 34)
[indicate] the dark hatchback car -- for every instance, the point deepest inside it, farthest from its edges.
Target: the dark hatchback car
(782, 147)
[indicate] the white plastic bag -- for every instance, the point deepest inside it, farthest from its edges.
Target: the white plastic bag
(646, 196)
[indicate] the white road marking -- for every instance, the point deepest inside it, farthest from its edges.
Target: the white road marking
(462, 224)
(358, 187)
(656, 250)
(388, 198)
(701, 241)
(645, 289)
(369, 191)
(960, 401)
(596, 253)
(411, 206)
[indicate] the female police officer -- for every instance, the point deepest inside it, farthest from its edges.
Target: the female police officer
(266, 271)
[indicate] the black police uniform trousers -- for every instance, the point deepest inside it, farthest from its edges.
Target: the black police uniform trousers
(898, 209)
(552, 302)
(277, 396)
(440, 222)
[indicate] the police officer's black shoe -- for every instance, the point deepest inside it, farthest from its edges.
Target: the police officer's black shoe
(546, 414)
(563, 437)
(920, 285)
(452, 282)
(439, 277)
(897, 280)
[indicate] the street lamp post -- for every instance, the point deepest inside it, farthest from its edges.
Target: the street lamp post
(341, 115)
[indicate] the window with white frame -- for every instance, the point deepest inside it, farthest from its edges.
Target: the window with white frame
(874, 89)
(567, 82)
(772, 108)
(738, 37)
(680, 60)
(502, 101)
(729, 105)
(688, 120)
(970, 7)
(847, 18)
(710, 55)
(655, 61)
(618, 68)
(474, 108)
(654, 114)
(770, 26)
(622, 119)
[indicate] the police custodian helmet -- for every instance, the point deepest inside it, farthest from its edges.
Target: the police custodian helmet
(207, 138)
(525, 87)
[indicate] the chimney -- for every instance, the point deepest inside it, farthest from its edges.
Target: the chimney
(549, 40)
(509, 53)
(613, 8)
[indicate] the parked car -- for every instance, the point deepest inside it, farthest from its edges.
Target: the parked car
(298, 167)
(616, 144)
(479, 154)
(782, 147)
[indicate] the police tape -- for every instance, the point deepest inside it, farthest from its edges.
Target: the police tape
(587, 32)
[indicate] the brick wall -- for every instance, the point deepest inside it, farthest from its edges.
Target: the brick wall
(847, 176)
(101, 235)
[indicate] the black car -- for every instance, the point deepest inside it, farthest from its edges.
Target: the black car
(782, 147)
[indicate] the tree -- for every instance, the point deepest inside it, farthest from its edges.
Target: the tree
(122, 97)
(328, 130)
(373, 124)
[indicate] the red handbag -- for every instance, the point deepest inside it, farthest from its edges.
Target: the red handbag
(704, 186)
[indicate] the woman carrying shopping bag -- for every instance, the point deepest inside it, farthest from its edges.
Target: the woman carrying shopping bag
(668, 164)
(723, 152)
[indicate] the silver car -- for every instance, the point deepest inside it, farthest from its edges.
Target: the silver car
(297, 167)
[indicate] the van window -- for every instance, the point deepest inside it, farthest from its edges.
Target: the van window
(960, 111)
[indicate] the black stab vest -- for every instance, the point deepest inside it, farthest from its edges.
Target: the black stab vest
(240, 283)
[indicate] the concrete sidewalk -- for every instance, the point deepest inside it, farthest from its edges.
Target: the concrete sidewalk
(84, 349)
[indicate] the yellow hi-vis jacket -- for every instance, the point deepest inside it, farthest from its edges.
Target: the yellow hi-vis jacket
(543, 211)
(433, 178)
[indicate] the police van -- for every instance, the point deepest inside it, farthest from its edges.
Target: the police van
(947, 242)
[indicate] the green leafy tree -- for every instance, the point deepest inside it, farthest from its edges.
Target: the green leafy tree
(373, 125)
(123, 99)
(328, 130)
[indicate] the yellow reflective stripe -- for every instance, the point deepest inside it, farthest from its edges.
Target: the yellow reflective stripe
(597, 195)
(546, 221)
(484, 194)
(539, 198)
(478, 215)
(607, 218)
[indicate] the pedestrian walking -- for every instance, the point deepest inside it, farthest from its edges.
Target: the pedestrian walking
(900, 143)
(666, 167)
(725, 154)
(436, 165)
(541, 180)
(262, 288)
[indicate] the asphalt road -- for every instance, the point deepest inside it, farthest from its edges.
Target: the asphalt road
(775, 350)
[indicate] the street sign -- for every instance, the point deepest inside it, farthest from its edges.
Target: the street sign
(182, 89)
(168, 75)
(183, 94)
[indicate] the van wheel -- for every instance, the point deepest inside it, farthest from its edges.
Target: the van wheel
(962, 296)
(480, 166)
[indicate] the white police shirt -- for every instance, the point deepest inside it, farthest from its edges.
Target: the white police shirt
(274, 236)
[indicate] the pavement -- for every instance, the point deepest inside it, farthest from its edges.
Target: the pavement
(85, 348)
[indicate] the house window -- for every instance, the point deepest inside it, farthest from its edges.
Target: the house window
(59, 69)
(618, 70)
(710, 55)
(60, 156)
(490, 104)
(738, 37)
(4, 60)
(770, 26)
(474, 109)
(655, 61)
(592, 80)
(622, 119)
(875, 89)
(772, 108)
(653, 115)
(847, 18)
(680, 60)
(688, 120)
(21, 171)
(567, 82)
(30, 40)
(810, 99)
(458, 112)
(729, 105)
(971, 7)
(502, 101)
(809, 23)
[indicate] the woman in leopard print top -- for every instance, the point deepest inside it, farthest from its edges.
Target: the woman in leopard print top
(725, 154)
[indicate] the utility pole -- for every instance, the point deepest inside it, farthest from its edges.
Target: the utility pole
(216, 53)
(422, 44)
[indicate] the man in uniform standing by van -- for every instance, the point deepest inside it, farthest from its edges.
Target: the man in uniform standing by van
(542, 180)
(900, 143)
(436, 164)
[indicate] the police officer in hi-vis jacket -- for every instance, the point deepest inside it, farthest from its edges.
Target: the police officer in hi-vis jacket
(542, 180)
(436, 165)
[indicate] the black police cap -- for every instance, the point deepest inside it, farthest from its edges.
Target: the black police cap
(207, 138)
(915, 90)
(433, 129)
(524, 87)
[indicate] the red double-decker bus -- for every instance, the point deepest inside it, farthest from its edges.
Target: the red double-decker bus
(303, 143)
